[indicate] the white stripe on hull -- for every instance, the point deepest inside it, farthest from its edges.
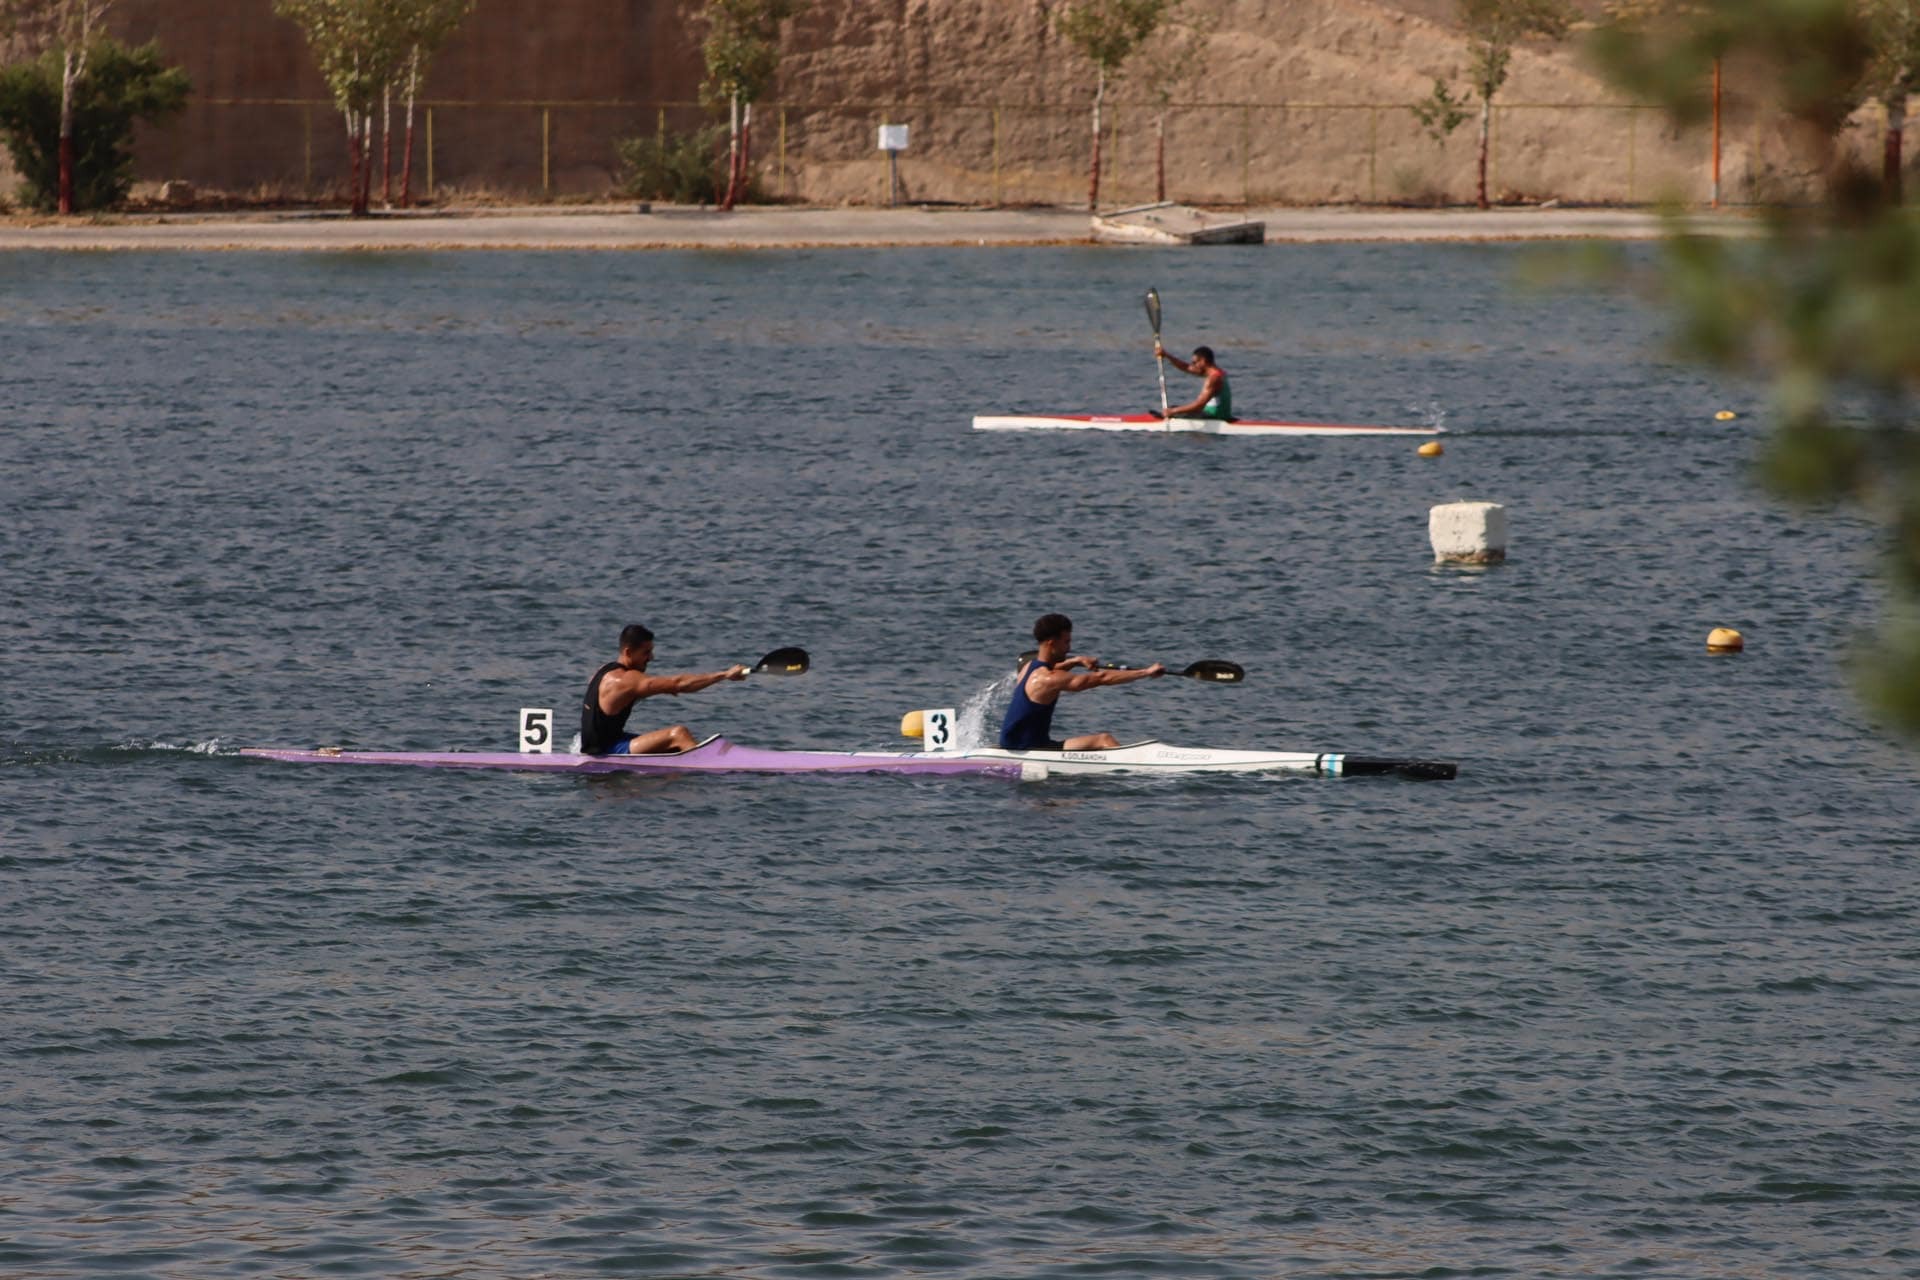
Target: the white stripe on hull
(1160, 757)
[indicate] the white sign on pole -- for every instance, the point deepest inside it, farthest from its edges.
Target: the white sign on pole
(893, 137)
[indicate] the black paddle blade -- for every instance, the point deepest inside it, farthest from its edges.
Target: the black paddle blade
(1216, 671)
(1422, 770)
(783, 662)
(1025, 658)
(1153, 310)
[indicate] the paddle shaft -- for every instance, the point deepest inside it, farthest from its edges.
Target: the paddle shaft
(1153, 318)
(1211, 670)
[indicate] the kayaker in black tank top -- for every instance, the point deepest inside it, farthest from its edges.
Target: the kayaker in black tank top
(619, 684)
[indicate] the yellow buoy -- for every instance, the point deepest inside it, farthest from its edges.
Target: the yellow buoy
(910, 725)
(1725, 415)
(1725, 640)
(1431, 449)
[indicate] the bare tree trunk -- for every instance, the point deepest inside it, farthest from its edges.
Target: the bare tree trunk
(746, 157)
(366, 170)
(72, 64)
(1896, 137)
(733, 150)
(1093, 172)
(1160, 156)
(406, 162)
(353, 162)
(1486, 134)
(386, 147)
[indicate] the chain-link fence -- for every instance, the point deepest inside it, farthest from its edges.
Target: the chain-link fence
(1009, 154)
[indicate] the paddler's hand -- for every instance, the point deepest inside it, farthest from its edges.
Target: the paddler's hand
(1158, 350)
(736, 672)
(1157, 670)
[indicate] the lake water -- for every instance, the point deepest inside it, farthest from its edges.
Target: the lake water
(1636, 994)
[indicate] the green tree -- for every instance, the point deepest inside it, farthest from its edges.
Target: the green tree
(1440, 113)
(1892, 75)
(1106, 33)
(428, 24)
(74, 148)
(1169, 62)
(1825, 304)
(359, 47)
(742, 51)
(1493, 28)
(71, 29)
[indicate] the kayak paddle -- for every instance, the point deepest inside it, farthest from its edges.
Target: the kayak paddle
(1153, 318)
(1212, 670)
(782, 662)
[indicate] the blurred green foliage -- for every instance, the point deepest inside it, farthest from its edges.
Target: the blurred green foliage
(1823, 303)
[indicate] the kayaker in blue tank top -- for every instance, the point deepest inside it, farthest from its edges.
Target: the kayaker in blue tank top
(1215, 399)
(619, 684)
(1028, 725)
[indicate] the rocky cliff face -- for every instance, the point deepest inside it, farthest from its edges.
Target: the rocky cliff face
(1291, 101)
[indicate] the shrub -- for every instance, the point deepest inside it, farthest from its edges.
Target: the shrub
(122, 85)
(680, 168)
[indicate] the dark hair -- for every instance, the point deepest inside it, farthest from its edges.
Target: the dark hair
(1205, 353)
(1051, 625)
(632, 637)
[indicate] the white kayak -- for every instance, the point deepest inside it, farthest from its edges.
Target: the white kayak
(717, 755)
(1199, 426)
(1152, 757)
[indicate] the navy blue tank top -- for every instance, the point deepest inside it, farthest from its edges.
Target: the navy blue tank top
(1029, 724)
(600, 732)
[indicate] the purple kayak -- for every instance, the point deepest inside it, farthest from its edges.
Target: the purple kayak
(715, 755)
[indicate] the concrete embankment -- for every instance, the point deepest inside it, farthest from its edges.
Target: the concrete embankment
(622, 227)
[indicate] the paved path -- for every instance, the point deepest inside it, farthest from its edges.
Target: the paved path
(605, 227)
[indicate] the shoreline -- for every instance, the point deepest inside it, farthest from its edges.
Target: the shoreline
(616, 228)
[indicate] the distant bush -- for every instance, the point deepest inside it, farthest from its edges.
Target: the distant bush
(122, 85)
(679, 168)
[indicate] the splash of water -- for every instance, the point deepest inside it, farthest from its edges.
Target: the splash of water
(211, 747)
(1431, 414)
(979, 714)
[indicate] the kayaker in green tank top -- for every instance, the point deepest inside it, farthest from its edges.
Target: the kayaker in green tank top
(1215, 399)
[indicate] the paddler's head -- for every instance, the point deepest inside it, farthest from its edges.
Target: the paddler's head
(1202, 358)
(1054, 634)
(636, 647)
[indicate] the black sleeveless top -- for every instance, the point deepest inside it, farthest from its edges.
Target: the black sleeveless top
(600, 732)
(1028, 725)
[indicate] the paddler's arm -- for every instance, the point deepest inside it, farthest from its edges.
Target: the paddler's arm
(644, 686)
(1208, 390)
(1094, 679)
(1171, 358)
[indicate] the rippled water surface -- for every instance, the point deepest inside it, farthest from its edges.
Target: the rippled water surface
(1635, 994)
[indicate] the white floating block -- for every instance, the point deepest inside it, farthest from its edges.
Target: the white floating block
(1468, 532)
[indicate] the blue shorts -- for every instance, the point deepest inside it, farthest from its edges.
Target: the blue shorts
(619, 748)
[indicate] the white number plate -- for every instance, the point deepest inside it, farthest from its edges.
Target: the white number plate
(940, 730)
(536, 730)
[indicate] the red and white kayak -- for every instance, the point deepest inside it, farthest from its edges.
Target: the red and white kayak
(1198, 426)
